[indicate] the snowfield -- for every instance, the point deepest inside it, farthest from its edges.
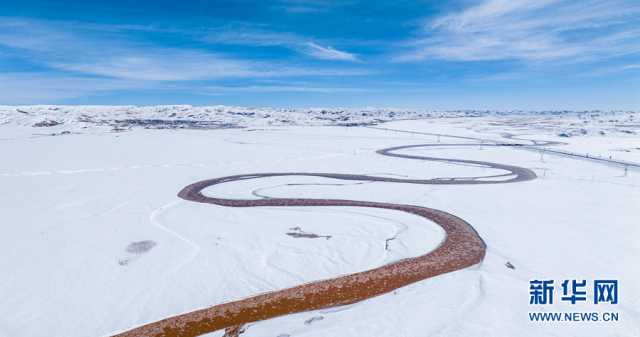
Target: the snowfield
(97, 242)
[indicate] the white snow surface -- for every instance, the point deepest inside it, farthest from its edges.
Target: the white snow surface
(95, 240)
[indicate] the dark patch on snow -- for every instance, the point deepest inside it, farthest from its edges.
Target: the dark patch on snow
(355, 124)
(241, 113)
(60, 133)
(140, 247)
(297, 232)
(313, 319)
(46, 123)
(387, 242)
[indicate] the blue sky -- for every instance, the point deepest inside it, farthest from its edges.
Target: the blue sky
(487, 54)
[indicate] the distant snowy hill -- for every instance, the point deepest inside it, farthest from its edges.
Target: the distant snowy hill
(211, 117)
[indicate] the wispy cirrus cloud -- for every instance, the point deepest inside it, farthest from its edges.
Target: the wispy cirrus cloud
(298, 88)
(25, 88)
(102, 51)
(251, 36)
(71, 59)
(161, 64)
(624, 69)
(328, 53)
(531, 30)
(263, 38)
(309, 6)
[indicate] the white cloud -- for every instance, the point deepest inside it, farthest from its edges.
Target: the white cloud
(27, 88)
(309, 6)
(32, 35)
(181, 66)
(100, 50)
(252, 37)
(261, 38)
(533, 30)
(30, 88)
(280, 88)
(328, 53)
(163, 65)
(617, 69)
(83, 60)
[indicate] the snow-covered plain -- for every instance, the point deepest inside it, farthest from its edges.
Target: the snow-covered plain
(96, 241)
